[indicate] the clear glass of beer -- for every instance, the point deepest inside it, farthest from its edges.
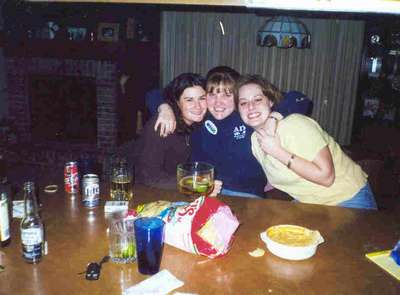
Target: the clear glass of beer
(195, 178)
(121, 181)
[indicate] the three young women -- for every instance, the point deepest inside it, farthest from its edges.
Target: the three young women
(223, 139)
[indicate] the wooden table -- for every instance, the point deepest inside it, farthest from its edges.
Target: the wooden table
(77, 235)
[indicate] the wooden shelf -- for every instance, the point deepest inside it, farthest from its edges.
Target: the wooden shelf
(184, 2)
(97, 50)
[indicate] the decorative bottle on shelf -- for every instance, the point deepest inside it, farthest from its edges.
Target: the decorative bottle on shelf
(32, 233)
(5, 236)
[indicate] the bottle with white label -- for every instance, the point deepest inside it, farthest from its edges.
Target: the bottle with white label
(31, 227)
(5, 238)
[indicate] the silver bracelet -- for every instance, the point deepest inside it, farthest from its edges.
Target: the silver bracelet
(289, 163)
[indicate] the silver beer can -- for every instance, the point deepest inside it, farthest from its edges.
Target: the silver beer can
(90, 190)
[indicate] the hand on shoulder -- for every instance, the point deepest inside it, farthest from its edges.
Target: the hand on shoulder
(165, 120)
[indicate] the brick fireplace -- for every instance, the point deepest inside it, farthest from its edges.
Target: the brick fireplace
(104, 73)
(35, 50)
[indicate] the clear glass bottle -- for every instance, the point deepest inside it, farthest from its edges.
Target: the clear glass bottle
(32, 232)
(5, 236)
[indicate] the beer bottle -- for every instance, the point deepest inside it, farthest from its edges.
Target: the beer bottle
(32, 232)
(4, 220)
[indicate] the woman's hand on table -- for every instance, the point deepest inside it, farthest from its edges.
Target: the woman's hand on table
(166, 120)
(217, 188)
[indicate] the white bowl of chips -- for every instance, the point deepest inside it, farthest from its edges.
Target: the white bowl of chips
(291, 242)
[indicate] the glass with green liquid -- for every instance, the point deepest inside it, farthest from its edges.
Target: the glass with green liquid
(122, 242)
(195, 178)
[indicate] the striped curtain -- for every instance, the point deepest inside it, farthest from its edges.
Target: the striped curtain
(327, 73)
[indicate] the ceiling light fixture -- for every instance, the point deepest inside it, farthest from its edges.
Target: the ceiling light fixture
(284, 32)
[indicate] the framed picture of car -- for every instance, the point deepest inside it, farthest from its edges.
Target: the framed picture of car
(108, 32)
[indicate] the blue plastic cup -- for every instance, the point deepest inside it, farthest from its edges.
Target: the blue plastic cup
(149, 235)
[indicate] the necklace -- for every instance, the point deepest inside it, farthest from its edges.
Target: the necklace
(187, 140)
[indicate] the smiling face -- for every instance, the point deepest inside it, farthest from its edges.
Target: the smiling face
(220, 101)
(254, 107)
(192, 104)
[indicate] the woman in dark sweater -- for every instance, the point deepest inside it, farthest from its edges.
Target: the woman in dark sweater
(156, 157)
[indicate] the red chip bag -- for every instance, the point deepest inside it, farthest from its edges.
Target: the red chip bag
(205, 226)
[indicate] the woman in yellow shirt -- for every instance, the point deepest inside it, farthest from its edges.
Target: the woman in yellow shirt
(301, 159)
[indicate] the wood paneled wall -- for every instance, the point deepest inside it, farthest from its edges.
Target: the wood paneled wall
(328, 72)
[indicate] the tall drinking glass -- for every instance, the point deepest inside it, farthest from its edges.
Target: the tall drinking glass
(195, 178)
(149, 235)
(121, 182)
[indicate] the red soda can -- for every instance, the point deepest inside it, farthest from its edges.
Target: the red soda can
(71, 177)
